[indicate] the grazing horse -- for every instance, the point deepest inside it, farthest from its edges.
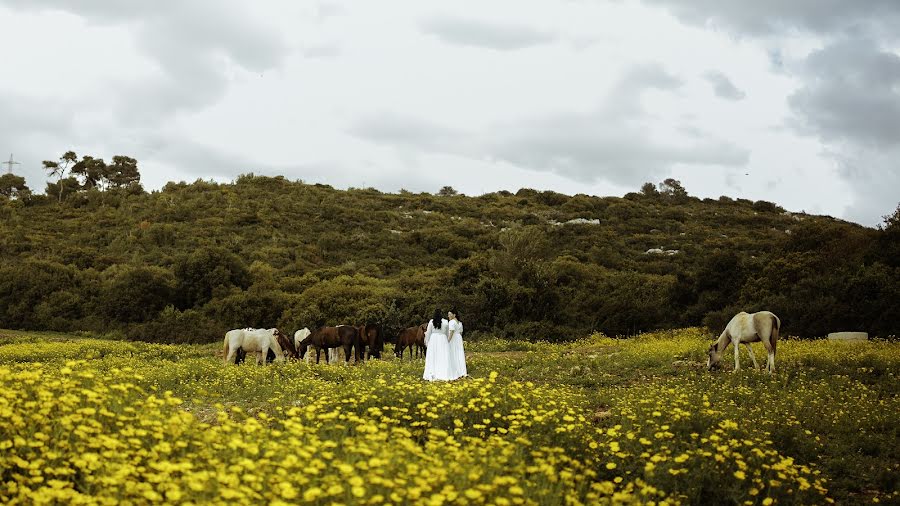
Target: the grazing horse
(286, 346)
(258, 341)
(412, 338)
(325, 338)
(371, 341)
(299, 336)
(747, 328)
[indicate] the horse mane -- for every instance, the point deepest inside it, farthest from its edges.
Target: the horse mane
(287, 343)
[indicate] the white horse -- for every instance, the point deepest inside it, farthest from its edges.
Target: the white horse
(747, 328)
(299, 336)
(258, 341)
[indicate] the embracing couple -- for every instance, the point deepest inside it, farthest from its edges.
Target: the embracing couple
(445, 358)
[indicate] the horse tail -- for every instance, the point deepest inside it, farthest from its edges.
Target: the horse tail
(225, 358)
(776, 330)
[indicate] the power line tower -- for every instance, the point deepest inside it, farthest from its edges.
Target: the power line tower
(9, 164)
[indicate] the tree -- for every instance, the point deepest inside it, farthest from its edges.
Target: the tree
(13, 186)
(91, 170)
(207, 273)
(59, 168)
(123, 172)
(649, 190)
(136, 293)
(447, 191)
(892, 222)
(63, 188)
(672, 188)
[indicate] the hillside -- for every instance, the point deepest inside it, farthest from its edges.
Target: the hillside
(192, 260)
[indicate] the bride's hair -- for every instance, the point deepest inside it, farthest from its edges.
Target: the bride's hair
(456, 314)
(436, 320)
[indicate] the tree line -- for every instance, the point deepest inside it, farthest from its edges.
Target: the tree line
(185, 263)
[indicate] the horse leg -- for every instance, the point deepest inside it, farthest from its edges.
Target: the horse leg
(737, 354)
(229, 359)
(770, 358)
(752, 357)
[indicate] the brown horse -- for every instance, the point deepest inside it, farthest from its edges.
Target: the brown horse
(370, 341)
(412, 338)
(325, 338)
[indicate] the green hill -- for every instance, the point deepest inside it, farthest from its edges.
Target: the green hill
(190, 261)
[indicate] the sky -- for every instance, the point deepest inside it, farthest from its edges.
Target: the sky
(796, 103)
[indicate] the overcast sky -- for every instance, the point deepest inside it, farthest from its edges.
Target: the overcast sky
(795, 102)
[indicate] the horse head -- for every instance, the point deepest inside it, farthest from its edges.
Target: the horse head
(714, 357)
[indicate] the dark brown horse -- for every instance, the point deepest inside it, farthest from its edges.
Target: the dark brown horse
(370, 341)
(325, 338)
(412, 338)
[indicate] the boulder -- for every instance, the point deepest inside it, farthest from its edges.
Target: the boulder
(848, 336)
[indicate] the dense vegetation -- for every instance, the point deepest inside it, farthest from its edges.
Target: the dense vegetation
(190, 261)
(597, 421)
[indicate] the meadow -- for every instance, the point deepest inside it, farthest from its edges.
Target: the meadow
(596, 421)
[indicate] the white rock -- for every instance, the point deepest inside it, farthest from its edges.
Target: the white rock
(848, 336)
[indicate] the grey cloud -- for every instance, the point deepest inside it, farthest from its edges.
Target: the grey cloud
(594, 147)
(762, 17)
(407, 131)
(873, 176)
(187, 40)
(610, 143)
(851, 91)
(471, 32)
(324, 52)
(850, 100)
(723, 86)
(28, 126)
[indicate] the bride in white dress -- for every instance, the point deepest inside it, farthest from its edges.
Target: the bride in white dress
(437, 353)
(457, 352)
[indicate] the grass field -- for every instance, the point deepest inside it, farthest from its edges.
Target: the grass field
(595, 421)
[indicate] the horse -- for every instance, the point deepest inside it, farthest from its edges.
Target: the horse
(747, 328)
(258, 341)
(371, 341)
(325, 338)
(299, 336)
(412, 338)
(287, 347)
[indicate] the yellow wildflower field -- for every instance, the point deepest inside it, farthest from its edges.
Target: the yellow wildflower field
(596, 421)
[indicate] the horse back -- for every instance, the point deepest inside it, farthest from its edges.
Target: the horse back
(407, 336)
(345, 334)
(766, 324)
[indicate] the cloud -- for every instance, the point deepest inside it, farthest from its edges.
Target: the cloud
(850, 92)
(479, 33)
(611, 143)
(194, 45)
(849, 98)
(407, 131)
(323, 51)
(766, 17)
(723, 86)
(873, 176)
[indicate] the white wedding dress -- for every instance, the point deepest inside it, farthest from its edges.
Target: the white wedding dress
(437, 353)
(457, 352)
